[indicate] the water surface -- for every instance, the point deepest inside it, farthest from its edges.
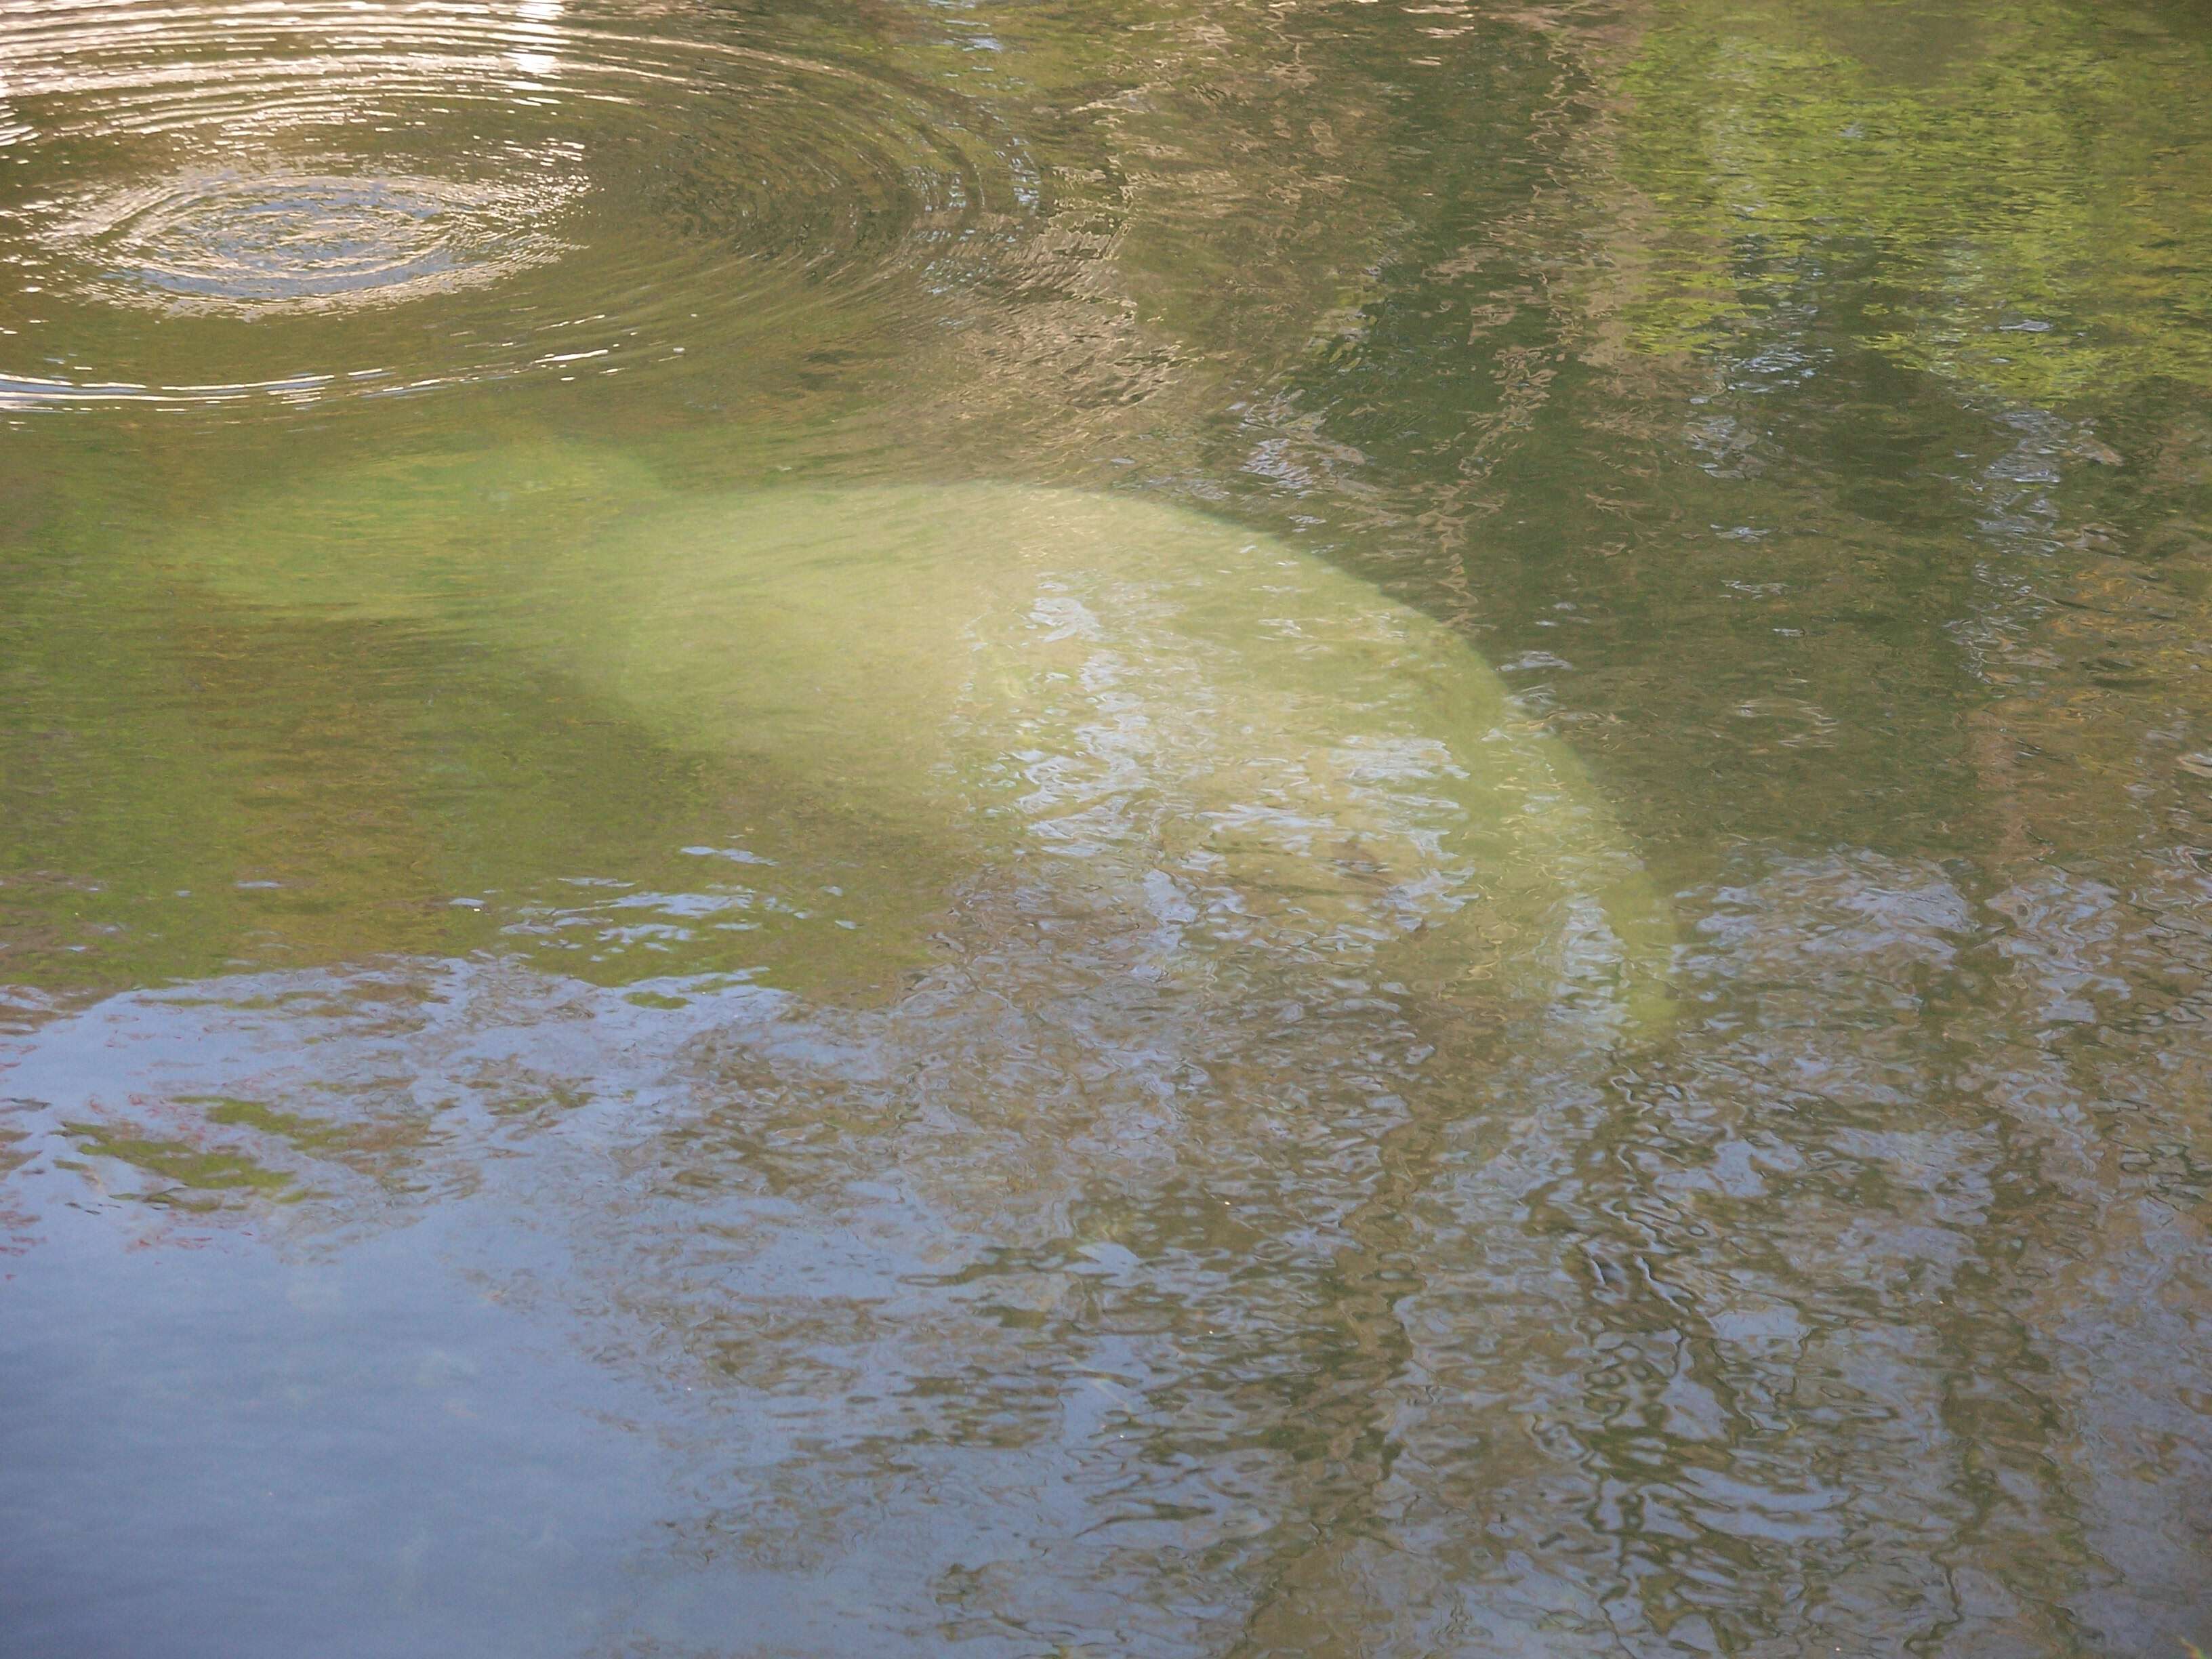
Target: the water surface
(1215, 830)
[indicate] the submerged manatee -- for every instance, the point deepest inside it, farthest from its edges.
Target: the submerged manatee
(1184, 749)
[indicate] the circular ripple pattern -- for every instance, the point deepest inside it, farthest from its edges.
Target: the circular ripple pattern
(232, 202)
(251, 245)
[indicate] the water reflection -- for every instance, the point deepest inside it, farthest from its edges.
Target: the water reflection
(250, 246)
(465, 1186)
(547, 190)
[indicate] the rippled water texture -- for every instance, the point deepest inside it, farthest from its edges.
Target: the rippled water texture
(1318, 830)
(266, 243)
(551, 192)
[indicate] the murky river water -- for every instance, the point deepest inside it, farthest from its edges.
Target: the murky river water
(1198, 829)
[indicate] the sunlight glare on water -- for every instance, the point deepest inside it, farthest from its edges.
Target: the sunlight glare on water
(569, 189)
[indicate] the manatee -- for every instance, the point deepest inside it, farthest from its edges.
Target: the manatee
(1126, 720)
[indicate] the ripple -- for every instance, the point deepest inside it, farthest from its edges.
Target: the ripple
(250, 245)
(400, 196)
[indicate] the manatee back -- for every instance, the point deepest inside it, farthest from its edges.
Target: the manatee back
(1205, 720)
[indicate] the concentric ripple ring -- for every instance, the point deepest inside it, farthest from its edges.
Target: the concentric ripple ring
(254, 244)
(322, 199)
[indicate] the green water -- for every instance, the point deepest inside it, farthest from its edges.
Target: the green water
(1206, 829)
